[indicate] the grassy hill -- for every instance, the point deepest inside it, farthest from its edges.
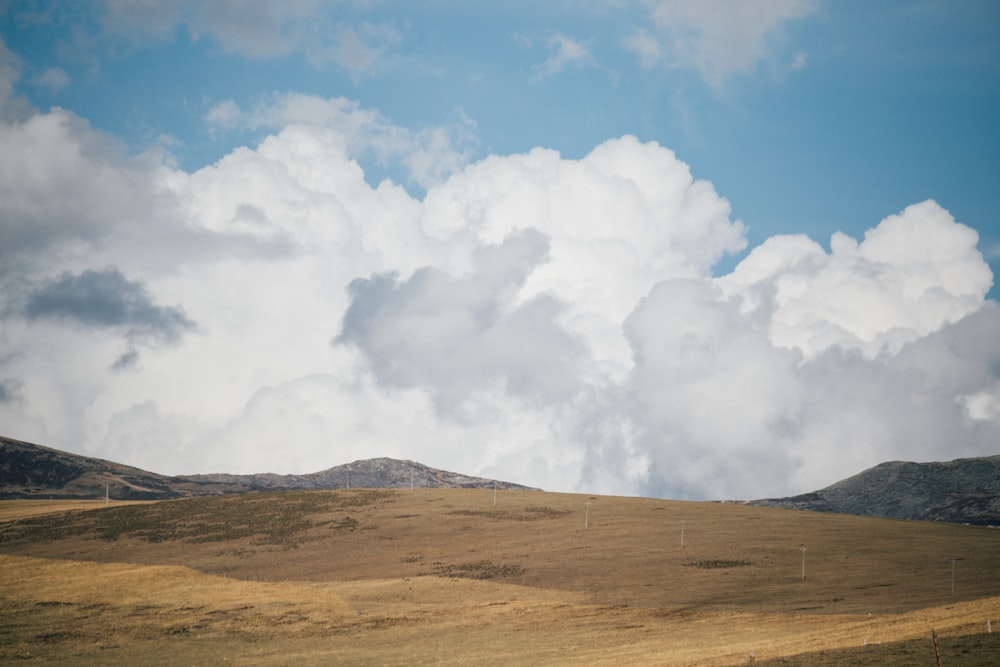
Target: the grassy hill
(445, 576)
(960, 491)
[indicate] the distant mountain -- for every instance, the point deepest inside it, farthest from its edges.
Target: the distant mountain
(369, 474)
(959, 491)
(33, 471)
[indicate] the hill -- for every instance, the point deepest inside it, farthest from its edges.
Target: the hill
(378, 473)
(461, 576)
(959, 491)
(33, 471)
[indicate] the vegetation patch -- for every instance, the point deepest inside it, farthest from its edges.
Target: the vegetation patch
(718, 564)
(482, 569)
(532, 513)
(278, 518)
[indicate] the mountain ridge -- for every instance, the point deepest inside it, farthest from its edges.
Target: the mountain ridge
(28, 470)
(958, 491)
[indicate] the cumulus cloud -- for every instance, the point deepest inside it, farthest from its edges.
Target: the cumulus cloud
(619, 220)
(912, 273)
(717, 39)
(62, 183)
(549, 320)
(460, 336)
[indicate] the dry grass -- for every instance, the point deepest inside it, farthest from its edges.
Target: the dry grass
(444, 577)
(11, 510)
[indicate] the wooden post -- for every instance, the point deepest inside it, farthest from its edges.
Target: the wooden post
(937, 647)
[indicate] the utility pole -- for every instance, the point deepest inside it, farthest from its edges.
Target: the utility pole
(586, 518)
(802, 548)
(682, 532)
(952, 561)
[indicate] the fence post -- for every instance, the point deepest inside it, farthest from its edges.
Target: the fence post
(937, 647)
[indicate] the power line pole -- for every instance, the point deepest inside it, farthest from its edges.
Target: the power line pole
(682, 532)
(802, 548)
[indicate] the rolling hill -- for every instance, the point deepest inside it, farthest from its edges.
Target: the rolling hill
(463, 576)
(959, 491)
(203, 572)
(33, 471)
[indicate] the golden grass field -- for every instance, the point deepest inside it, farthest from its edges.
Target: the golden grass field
(444, 576)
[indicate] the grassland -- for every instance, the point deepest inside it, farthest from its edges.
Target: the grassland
(447, 577)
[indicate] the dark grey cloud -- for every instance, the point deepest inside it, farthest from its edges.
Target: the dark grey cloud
(456, 336)
(105, 298)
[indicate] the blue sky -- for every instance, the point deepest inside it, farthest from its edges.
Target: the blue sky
(890, 103)
(147, 122)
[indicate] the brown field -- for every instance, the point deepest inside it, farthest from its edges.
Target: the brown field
(22, 509)
(445, 577)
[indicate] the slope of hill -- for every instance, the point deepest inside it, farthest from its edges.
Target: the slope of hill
(466, 576)
(33, 471)
(959, 491)
(379, 473)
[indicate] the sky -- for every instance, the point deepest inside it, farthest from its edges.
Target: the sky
(673, 248)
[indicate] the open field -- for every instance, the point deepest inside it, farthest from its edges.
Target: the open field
(445, 577)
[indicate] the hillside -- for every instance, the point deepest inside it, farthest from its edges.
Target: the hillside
(959, 491)
(378, 473)
(463, 576)
(33, 471)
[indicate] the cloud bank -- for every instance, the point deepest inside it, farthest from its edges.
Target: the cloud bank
(548, 320)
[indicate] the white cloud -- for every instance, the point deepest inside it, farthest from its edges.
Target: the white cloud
(548, 320)
(913, 273)
(716, 38)
(427, 156)
(645, 46)
(53, 79)
(566, 52)
(619, 220)
(62, 183)
(261, 30)
(357, 49)
(12, 106)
